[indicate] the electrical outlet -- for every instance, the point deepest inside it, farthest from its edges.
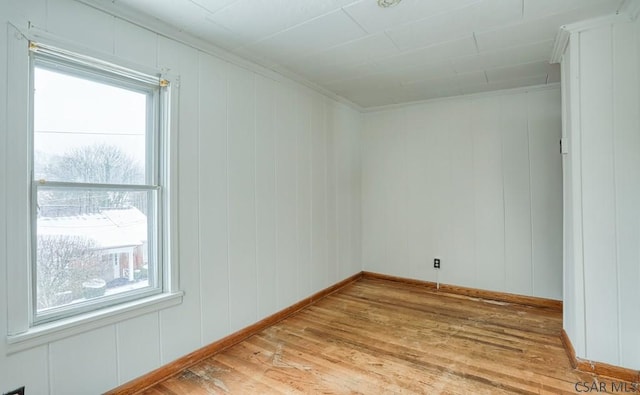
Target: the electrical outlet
(436, 263)
(19, 391)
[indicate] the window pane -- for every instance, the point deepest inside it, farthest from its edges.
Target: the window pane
(88, 131)
(92, 244)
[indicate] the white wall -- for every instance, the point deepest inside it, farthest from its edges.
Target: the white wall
(602, 255)
(269, 204)
(475, 181)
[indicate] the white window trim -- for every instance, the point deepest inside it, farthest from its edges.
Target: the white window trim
(60, 329)
(20, 335)
(156, 92)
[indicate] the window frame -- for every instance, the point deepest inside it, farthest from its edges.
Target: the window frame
(153, 87)
(21, 332)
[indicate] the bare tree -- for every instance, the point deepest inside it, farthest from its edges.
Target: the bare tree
(97, 163)
(63, 264)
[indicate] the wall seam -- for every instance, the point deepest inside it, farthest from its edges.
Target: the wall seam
(275, 192)
(615, 187)
(531, 257)
(255, 192)
(200, 277)
(160, 348)
(504, 205)
(116, 332)
(272, 116)
(325, 112)
(336, 193)
(198, 200)
(471, 131)
(298, 123)
(311, 180)
(584, 278)
(157, 316)
(405, 182)
(49, 367)
(473, 106)
(310, 191)
(227, 211)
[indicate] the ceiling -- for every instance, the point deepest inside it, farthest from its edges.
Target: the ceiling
(417, 50)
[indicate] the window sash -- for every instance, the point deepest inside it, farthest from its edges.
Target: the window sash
(155, 257)
(155, 105)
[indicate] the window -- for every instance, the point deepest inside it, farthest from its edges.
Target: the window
(98, 184)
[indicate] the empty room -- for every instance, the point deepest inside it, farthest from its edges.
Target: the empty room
(319, 197)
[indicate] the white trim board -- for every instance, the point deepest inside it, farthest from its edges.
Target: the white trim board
(510, 91)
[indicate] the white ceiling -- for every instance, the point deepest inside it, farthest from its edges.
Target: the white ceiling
(418, 50)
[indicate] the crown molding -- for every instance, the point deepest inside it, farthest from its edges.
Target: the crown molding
(166, 30)
(595, 23)
(469, 96)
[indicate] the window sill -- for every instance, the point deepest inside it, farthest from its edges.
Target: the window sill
(47, 333)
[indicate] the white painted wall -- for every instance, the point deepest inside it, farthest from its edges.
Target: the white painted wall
(475, 181)
(269, 203)
(601, 70)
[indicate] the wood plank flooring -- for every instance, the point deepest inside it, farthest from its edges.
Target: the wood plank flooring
(383, 337)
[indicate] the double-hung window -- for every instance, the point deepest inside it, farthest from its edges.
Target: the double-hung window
(98, 184)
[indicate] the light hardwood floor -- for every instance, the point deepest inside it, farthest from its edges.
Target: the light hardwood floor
(383, 337)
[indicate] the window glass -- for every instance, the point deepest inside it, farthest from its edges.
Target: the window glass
(91, 244)
(87, 131)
